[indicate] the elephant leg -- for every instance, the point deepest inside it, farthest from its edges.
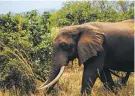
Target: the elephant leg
(88, 80)
(125, 79)
(106, 78)
(92, 67)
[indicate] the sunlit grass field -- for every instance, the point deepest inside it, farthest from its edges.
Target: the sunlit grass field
(70, 84)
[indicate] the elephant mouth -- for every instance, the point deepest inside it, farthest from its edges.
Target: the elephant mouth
(45, 85)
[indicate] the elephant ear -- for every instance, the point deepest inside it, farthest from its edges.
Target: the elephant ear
(90, 42)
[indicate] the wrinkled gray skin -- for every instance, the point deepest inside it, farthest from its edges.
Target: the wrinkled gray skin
(99, 46)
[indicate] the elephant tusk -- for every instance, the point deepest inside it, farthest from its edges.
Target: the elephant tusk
(44, 86)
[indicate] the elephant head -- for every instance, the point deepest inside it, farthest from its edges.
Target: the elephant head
(78, 41)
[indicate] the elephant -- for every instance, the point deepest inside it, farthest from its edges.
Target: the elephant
(99, 46)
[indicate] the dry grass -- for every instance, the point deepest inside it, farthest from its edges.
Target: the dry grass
(70, 84)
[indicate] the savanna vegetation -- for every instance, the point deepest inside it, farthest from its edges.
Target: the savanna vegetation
(26, 46)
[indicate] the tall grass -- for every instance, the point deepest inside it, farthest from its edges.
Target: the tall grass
(70, 85)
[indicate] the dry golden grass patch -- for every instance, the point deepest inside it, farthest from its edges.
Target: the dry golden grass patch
(70, 85)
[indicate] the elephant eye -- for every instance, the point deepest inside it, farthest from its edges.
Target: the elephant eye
(65, 46)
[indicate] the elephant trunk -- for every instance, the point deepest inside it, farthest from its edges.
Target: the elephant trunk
(51, 82)
(57, 69)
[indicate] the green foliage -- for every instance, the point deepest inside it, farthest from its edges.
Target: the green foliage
(25, 50)
(15, 66)
(79, 12)
(72, 13)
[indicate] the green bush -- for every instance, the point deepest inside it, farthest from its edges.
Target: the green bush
(79, 12)
(25, 50)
